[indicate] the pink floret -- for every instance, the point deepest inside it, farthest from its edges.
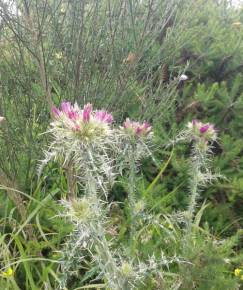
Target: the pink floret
(87, 111)
(204, 128)
(66, 107)
(104, 116)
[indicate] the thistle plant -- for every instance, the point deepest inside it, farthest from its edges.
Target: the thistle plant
(136, 140)
(85, 141)
(82, 141)
(202, 135)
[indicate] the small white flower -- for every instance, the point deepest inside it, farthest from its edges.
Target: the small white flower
(183, 77)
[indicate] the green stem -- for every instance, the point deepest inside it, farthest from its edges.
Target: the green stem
(192, 203)
(71, 181)
(131, 196)
(197, 162)
(108, 264)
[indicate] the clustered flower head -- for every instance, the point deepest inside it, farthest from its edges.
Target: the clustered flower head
(86, 124)
(82, 138)
(137, 129)
(135, 139)
(76, 129)
(79, 210)
(202, 131)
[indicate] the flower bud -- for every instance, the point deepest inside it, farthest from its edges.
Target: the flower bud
(126, 269)
(202, 132)
(136, 128)
(80, 209)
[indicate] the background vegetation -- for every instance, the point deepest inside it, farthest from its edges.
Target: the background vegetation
(126, 56)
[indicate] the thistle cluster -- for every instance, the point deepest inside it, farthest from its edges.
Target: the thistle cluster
(202, 137)
(86, 140)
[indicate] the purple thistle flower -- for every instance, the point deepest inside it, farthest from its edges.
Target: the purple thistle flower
(204, 131)
(139, 129)
(74, 119)
(127, 124)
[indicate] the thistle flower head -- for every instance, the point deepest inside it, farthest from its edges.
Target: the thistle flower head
(139, 207)
(202, 131)
(84, 124)
(135, 142)
(137, 129)
(84, 139)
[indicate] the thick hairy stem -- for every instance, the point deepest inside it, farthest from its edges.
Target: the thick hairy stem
(71, 181)
(131, 194)
(192, 203)
(197, 163)
(107, 262)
